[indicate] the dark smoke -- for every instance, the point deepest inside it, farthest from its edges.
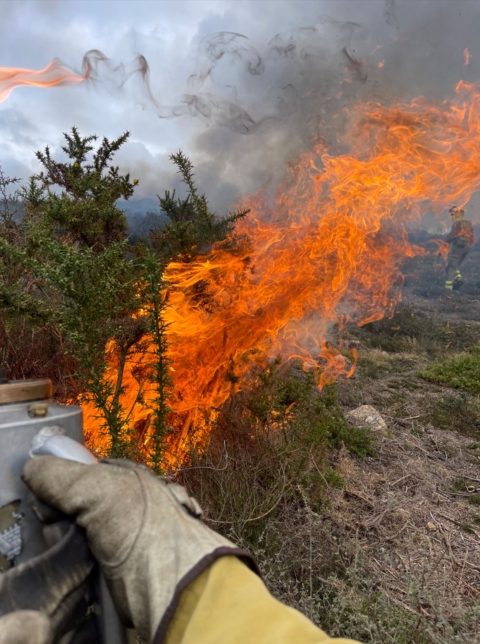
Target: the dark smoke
(390, 14)
(355, 66)
(283, 94)
(294, 87)
(240, 88)
(211, 107)
(308, 77)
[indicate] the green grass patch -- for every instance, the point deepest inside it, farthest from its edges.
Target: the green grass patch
(455, 412)
(459, 485)
(461, 371)
(372, 368)
(410, 331)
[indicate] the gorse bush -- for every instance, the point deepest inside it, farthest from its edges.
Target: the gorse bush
(73, 284)
(67, 272)
(192, 228)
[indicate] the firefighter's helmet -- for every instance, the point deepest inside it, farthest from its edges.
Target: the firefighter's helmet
(455, 211)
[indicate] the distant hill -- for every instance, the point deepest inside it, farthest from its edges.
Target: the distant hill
(138, 206)
(14, 207)
(142, 215)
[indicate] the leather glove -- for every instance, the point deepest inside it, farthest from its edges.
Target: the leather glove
(145, 534)
(25, 627)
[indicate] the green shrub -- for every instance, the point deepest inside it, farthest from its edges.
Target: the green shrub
(316, 416)
(410, 330)
(461, 371)
(455, 412)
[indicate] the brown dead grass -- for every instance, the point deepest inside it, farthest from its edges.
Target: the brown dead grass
(410, 523)
(384, 549)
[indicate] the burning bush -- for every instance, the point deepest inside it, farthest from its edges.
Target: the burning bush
(81, 305)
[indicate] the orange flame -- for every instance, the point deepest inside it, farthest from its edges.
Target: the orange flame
(466, 55)
(442, 247)
(55, 74)
(325, 250)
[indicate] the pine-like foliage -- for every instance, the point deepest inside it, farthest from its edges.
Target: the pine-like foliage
(82, 209)
(67, 276)
(77, 298)
(193, 228)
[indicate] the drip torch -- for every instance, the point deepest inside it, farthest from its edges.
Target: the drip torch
(30, 425)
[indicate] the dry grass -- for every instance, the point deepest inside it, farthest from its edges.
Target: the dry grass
(384, 548)
(37, 352)
(379, 549)
(418, 537)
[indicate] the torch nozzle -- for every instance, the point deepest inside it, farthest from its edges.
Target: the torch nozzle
(52, 441)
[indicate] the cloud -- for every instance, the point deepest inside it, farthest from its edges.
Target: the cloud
(249, 82)
(14, 126)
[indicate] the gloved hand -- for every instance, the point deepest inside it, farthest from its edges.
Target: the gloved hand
(25, 627)
(52, 584)
(146, 534)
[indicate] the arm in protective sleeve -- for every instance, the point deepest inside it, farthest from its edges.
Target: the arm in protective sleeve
(452, 234)
(230, 604)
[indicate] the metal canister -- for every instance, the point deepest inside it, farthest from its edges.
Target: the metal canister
(25, 408)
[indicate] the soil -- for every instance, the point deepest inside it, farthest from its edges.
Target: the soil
(414, 508)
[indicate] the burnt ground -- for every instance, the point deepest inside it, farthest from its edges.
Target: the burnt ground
(413, 511)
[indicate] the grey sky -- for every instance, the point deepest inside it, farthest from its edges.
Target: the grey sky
(422, 43)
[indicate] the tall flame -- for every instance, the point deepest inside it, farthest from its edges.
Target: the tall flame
(326, 249)
(55, 74)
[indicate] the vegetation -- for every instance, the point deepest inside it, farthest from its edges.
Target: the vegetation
(267, 479)
(192, 228)
(67, 273)
(72, 282)
(355, 531)
(455, 412)
(461, 371)
(269, 459)
(412, 330)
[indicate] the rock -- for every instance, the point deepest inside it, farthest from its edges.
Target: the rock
(367, 416)
(431, 526)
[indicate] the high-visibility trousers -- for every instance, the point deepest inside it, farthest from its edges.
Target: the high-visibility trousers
(456, 257)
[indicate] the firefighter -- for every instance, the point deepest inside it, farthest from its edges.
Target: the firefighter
(460, 240)
(171, 577)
